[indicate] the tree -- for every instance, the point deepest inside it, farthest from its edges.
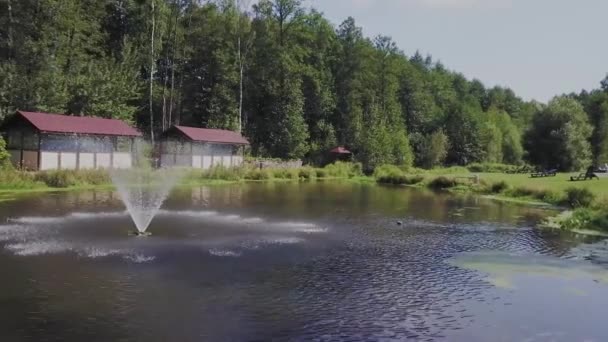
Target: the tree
(433, 150)
(5, 157)
(559, 136)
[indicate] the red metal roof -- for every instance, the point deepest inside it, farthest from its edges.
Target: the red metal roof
(57, 123)
(212, 135)
(340, 150)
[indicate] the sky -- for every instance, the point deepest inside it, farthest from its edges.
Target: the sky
(538, 48)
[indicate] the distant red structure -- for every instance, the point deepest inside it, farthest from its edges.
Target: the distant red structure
(340, 150)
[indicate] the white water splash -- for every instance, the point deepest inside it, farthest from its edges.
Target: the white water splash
(224, 253)
(143, 191)
(139, 258)
(38, 248)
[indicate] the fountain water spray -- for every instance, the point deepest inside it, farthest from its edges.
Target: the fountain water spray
(143, 190)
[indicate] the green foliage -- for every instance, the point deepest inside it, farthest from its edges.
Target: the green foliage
(390, 174)
(342, 170)
(283, 76)
(498, 187)
(490, 167)
(559, 136)
(544, 195)
(432, 150)
(258, 174)
(5, 157)
(579, 197)
(442, 182)
(307, 173)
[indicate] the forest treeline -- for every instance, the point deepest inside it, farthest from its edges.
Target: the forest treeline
(291, 81)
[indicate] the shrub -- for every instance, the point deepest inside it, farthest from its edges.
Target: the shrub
(321, 173)
(258, 174)
(307, 173)
(5, 157)
(539, 194)
(490, 167)
(57, 178)
(13, 179)
(442, 182)
(579, 197)
(498, 187)
(285, 173)
(93, 177)
(344, 170)
(222, 173)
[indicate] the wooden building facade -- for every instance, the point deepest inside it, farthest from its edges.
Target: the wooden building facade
(201, 148)
(42, 141)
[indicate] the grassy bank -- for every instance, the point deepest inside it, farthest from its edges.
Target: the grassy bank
(57, 180)
(585, 202)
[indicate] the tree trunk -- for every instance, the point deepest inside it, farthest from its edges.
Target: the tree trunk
(240, 61)
(152, 75)
(10, 30)
(173, 48)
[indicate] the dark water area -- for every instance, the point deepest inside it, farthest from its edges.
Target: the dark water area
(295, 262)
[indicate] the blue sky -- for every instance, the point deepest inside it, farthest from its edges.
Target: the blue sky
(539, 48)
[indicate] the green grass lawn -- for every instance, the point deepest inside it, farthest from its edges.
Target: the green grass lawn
(558, 183)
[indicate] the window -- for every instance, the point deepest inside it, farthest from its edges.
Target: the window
(30, 141)
(66, 143)
(14, 140)
(123, 144)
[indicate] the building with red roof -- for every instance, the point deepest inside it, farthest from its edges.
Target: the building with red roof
(201, 147)
(43, 141)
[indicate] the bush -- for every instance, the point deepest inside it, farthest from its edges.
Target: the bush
(258, 174)
(307, 173)
(490, 167)
(13, 179)
(391, 174)
(321, 173)
(223, 173)
(498, 187)
(443, 182)
(579, 197)
(343, 170)
(539, 194)
(285, 173)
(5, 157)
(58, 178)
(93, 177)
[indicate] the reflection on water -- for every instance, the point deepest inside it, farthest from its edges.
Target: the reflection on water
(311, 261)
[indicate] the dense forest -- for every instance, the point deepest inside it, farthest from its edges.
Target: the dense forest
(288, 79)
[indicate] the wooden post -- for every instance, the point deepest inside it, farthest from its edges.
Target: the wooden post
(39, 151)
(77, 152)
(113, 140)
(21, 156)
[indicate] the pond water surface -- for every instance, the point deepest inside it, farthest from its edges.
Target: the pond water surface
(310, 261)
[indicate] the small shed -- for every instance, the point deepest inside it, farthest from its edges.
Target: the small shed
(43, 141)
(340, 153)
(201, 147)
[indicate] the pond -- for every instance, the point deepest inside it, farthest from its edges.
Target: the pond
(282, 261)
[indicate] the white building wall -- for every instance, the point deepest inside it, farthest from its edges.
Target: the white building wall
(49, 160)
(183, 160)
(68, 160)
(122, 160)
(197, 162)
(103, 160)
(167, 160)
(86, 161)
(226, 161)
(206, 162)
(237, 160)
(217, 160)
